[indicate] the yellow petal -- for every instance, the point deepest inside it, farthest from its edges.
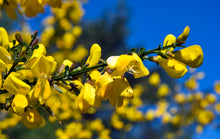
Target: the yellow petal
(47, 90)
(19, 103)
(174, 68)
(5, 55)
(120, 89)
(37, 53)
(192, 56)
(103, 86)
(13, 85)
(10, 9)
(95, 55)
(32, 8)
(182, 37)
(43, 65)
(112, 61)
(90, 96)
(169, 39)
(2, 66)
(4, 40)
(138, 69)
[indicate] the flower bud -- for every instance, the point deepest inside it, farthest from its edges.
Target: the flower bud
(182, 37)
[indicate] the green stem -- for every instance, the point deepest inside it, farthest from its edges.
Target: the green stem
(77, 72)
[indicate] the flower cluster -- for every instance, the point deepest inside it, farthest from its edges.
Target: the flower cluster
(29, 8)
(31, 80)
(175, 62)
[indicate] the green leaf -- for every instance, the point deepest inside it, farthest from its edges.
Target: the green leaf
(133, 50)
(141, 51)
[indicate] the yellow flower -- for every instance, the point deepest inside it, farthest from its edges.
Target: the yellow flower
(32, 119)
(120, 89)
(32, 8)
(4, 40)
(150, 115)
(19, 103)
(37, 53)
(42, 69)
(191, 84)
(132, 63)
(154, 79)
(163, 90)
(205, 116)
(87, 99)
(182, 37)
(217, 87)
(180, 98)
(192, 56)
(10, 8)
(14, 85)
(174, 68)
(95, 55)
(103, 86)
(169, 40)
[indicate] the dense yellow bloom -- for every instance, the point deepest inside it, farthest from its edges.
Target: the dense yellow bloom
(132, 63)
(154, 79)
(42, 69)
(192, 56)
(182, 37)
(32, 119)
(174, 68)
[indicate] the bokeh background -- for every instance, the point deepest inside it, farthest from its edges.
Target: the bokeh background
(118, 26)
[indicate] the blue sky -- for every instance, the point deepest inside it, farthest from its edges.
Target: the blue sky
(151, 20)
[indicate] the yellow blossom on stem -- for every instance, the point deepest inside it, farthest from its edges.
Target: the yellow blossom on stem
(192, 56)
(169, 40)
(120, 89)
(182, 37)
(95, 55)
(103, 86)
(14, 85)
(4, 40)
(132, 63)
(42, 69)
(174, 68)
(87, 99)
